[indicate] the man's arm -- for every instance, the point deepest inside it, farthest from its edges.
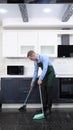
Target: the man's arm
(45, 67)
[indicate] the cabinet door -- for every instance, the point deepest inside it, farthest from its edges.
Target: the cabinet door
(47, 37)
(56, 91)
(48, 43)
(9, 90)
(24, 86)
(14, 90)
(10, 43)
(27, 40)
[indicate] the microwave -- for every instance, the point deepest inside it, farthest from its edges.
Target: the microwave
(65, 50)
(15, 70)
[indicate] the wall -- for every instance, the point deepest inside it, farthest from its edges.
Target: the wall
(20, 61)
(2, 60)
(63, 67)
(0, 55)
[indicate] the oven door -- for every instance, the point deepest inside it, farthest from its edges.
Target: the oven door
(66, 88)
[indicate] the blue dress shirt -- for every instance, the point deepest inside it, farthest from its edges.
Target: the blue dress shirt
(46, 62)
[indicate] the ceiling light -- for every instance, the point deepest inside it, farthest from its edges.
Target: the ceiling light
(46, 10)
(3, 11)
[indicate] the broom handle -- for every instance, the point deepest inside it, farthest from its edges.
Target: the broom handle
(41, 98)
(28, 95)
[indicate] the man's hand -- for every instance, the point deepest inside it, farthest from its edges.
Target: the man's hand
(32, 85)
(39, 82)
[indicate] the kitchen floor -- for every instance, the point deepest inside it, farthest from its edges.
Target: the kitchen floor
(12, 119)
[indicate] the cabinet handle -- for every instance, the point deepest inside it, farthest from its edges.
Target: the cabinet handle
(8, 79)
(25, 91)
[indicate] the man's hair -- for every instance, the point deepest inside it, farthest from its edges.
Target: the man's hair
(30, 53)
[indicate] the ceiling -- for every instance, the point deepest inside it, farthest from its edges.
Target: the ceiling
(36, 16)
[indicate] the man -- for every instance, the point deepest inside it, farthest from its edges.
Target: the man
(45, 80)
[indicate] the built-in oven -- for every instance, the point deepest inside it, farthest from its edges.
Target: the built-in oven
(66, 88)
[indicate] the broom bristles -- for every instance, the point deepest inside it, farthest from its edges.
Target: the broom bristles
(39, 116)
(22, 107)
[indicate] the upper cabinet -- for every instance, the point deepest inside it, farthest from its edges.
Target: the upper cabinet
(43, 42)
(48, 43)
(65, 32)
(27, 40)
(16, 43)
(10, 43)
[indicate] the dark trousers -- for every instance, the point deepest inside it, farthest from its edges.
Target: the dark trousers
(47, 89)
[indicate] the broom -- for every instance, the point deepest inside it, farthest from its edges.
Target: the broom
(24, 104)
(41, 115)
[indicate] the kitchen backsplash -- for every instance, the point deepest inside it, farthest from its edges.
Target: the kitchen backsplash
(63, 66)
(28, 65)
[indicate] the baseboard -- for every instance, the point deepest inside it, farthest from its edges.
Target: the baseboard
(64, 105)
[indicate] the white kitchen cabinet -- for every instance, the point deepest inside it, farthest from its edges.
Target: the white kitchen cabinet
(16, 43)
(27, 40)
(61, 32)
(49, 50)
(10, 43)
(64, 32)
(48, 43)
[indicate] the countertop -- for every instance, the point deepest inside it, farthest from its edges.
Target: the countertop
(30, 76)
(16, 76)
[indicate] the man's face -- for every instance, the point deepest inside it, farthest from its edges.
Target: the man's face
(32, 57)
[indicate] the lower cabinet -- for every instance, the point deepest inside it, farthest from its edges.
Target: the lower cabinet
(15, 90)
(0, 100)
(56, 91)
(15, 1)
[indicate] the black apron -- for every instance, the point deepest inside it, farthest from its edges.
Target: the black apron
(47, 86)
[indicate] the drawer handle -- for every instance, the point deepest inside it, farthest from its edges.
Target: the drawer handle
(25, 91)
